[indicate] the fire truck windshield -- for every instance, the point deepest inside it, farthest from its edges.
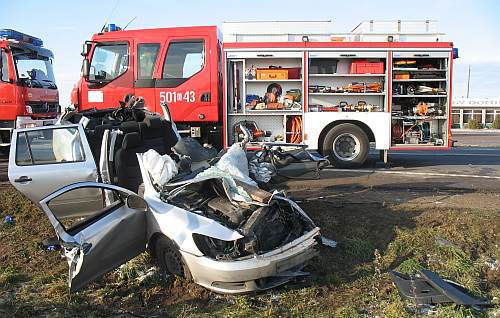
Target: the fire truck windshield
(35, 70)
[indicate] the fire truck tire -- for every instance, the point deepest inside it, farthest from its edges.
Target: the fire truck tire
(346, 146)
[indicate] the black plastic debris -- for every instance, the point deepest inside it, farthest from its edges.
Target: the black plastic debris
(429, 288)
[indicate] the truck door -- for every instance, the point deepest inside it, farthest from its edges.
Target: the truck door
(111, 75)
(8, 105)
(144, 83)
(44, 159)
(184, 79)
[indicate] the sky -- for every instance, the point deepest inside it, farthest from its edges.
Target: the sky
(473, 26)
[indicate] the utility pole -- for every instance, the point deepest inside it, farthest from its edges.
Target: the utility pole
(468, 83)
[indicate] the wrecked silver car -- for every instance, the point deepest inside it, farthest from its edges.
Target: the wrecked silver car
(116, 182)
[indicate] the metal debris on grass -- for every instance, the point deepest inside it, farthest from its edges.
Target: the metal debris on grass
(328, 242)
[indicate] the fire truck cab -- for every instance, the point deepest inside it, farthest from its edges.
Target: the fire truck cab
(384, 84)
(28, 92)
(178, 66)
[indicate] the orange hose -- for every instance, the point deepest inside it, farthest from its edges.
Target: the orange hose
(296, 130)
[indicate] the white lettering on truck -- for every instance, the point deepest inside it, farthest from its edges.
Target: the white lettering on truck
(175, 97)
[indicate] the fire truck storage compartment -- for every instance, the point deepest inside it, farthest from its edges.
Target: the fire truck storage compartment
(420, 99)
(264, 92)
(342, 90)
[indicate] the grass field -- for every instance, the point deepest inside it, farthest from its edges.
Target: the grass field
(377, 230)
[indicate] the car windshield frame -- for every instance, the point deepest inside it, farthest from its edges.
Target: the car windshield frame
(26, 62)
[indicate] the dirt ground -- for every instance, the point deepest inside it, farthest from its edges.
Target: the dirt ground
(379, 226)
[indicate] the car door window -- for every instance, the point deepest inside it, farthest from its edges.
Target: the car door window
(49, 146)
(79, 207)
(184, 59)
(147, 55)
(109, 61)
(4, 75)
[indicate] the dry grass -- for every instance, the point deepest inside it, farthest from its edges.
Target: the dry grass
(347, 281)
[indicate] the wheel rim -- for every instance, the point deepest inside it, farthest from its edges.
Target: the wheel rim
(346, 147)
(173, 262)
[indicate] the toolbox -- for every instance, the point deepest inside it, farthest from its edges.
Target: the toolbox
(364, 67)
(323, 66)
(401, 76)
(278, 73)
(294, 72)
(272, 74)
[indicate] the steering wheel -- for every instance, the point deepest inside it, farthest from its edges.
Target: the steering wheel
(128, 108)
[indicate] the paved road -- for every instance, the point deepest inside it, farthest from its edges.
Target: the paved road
(477, 138)
(477, 167)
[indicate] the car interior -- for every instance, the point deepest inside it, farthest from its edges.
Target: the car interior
(138, 131)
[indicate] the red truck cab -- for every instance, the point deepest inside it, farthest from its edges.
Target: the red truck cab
(28, 92)
(179, 66)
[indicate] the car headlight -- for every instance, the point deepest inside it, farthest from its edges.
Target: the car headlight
(217, 249)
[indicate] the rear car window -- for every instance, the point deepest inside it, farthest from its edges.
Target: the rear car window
(49, 146)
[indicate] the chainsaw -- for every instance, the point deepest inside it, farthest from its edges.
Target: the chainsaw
(253, 129)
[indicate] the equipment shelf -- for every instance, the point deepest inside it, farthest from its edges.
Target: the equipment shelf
(419, 96)
(421, 80)
(418, 70)
(271, 120)
(273, 81)
(421, 120)
(346, 75)
(348, 94)
(419, 117)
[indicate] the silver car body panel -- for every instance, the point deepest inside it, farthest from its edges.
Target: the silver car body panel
(113, 238)
(231, 276)
(179, 224)
(257, 273)
(47, 178)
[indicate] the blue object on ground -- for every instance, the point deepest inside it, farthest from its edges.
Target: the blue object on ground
(9, 219)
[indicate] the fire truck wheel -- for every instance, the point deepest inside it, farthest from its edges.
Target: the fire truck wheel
(346, 146)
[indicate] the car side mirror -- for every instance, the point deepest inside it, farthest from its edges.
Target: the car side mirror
(85, 68)
(87, 46)
(135, 202)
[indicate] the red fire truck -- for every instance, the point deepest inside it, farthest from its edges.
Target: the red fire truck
(336, 94)
(28, 92)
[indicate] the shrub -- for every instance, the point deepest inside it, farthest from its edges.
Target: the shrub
(496, 122)
(474, 124)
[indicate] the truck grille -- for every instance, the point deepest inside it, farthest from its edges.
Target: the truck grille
(44, 107)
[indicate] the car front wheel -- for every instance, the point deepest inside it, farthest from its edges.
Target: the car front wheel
(170, 259)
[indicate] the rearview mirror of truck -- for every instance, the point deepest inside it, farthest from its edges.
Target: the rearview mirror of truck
(86, 48)
(85, 68)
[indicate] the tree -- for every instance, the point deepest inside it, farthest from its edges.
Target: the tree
(474, 124)
(496, 122)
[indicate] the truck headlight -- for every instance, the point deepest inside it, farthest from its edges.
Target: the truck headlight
(25, 122)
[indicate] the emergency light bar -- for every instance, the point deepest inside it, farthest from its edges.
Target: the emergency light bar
(10, 34)
(111, 27)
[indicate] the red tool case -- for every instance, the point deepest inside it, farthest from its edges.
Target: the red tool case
(364, 67)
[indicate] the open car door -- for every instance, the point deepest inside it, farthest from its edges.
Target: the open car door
(44, 159)
(101, 237)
